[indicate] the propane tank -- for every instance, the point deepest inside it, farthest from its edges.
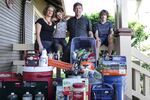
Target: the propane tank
(39, 96)
(12, 96)
(27, 96)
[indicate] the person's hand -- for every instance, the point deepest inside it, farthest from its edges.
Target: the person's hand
(40, 48)
(98, 41)
(111, 36)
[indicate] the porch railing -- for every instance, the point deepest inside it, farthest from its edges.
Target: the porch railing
(140, 76)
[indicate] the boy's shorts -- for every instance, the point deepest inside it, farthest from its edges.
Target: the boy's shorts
(104, 40)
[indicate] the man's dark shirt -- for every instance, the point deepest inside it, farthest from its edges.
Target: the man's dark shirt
(103, 29)
(79, 27)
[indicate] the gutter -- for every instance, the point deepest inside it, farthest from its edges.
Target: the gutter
(22, 37)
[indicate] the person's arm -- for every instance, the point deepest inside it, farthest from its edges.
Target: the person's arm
(96, 36)
(90, 29)
(111, 32)
(38, 30)
(98, 40)
(91, 34)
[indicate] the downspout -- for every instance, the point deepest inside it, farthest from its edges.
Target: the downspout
(22, 35)
(23, 22)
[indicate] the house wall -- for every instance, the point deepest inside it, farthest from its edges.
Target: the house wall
(10, 32)
(33, 11)
(11, 23)
(28, 22)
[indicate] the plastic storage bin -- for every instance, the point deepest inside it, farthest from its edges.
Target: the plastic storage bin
(83, 49)
(118, 83)
(114, 65)
(102, 92)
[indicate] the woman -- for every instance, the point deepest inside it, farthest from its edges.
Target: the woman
(45, 29)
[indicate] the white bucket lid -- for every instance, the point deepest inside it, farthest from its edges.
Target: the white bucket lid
(37, 69)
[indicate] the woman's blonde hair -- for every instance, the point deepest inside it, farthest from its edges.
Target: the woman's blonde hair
(46, 9)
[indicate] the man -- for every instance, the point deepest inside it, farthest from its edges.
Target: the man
(77, 26)
(104, 32)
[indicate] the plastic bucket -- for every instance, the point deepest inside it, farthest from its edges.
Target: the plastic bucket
(83, 43)
(118, 83)
(39, 74)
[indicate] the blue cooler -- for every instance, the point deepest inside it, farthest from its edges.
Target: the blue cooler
(118, 83)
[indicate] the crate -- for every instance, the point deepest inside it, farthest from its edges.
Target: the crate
(102, 92)
(79, 43)
(20, 88)
(114, 66)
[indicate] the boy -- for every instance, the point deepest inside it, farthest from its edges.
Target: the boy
(104, 32)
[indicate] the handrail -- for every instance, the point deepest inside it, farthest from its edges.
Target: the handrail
(140, 56)
(137, 70)
(140, 69)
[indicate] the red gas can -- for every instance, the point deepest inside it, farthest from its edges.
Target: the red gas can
(39, 74)
(32, 58)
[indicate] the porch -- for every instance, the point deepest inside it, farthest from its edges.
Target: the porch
(18, 31)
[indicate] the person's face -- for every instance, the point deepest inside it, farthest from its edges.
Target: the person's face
(78, 10)
(103, 17)
(59, 15)
(50, 12)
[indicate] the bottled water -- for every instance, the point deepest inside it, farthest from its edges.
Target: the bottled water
(43, 59)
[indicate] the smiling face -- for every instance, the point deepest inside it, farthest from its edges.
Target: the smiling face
(103, 17)
(50, 12)
(78, 10)
(59, 15)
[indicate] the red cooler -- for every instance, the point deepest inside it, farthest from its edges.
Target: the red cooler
(39, 74)
(8, 76)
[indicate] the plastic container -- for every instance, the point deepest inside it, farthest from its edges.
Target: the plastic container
(118, 83)
(12, 96)
(40, 74)
(43, 62)
(27, 96)
(31, 58)
(102, 92)
(80, 46)
(39, 96)
(114, 66)
(79, 92)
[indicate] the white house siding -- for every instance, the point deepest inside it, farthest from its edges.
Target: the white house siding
(10, 30)
(29, 23)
